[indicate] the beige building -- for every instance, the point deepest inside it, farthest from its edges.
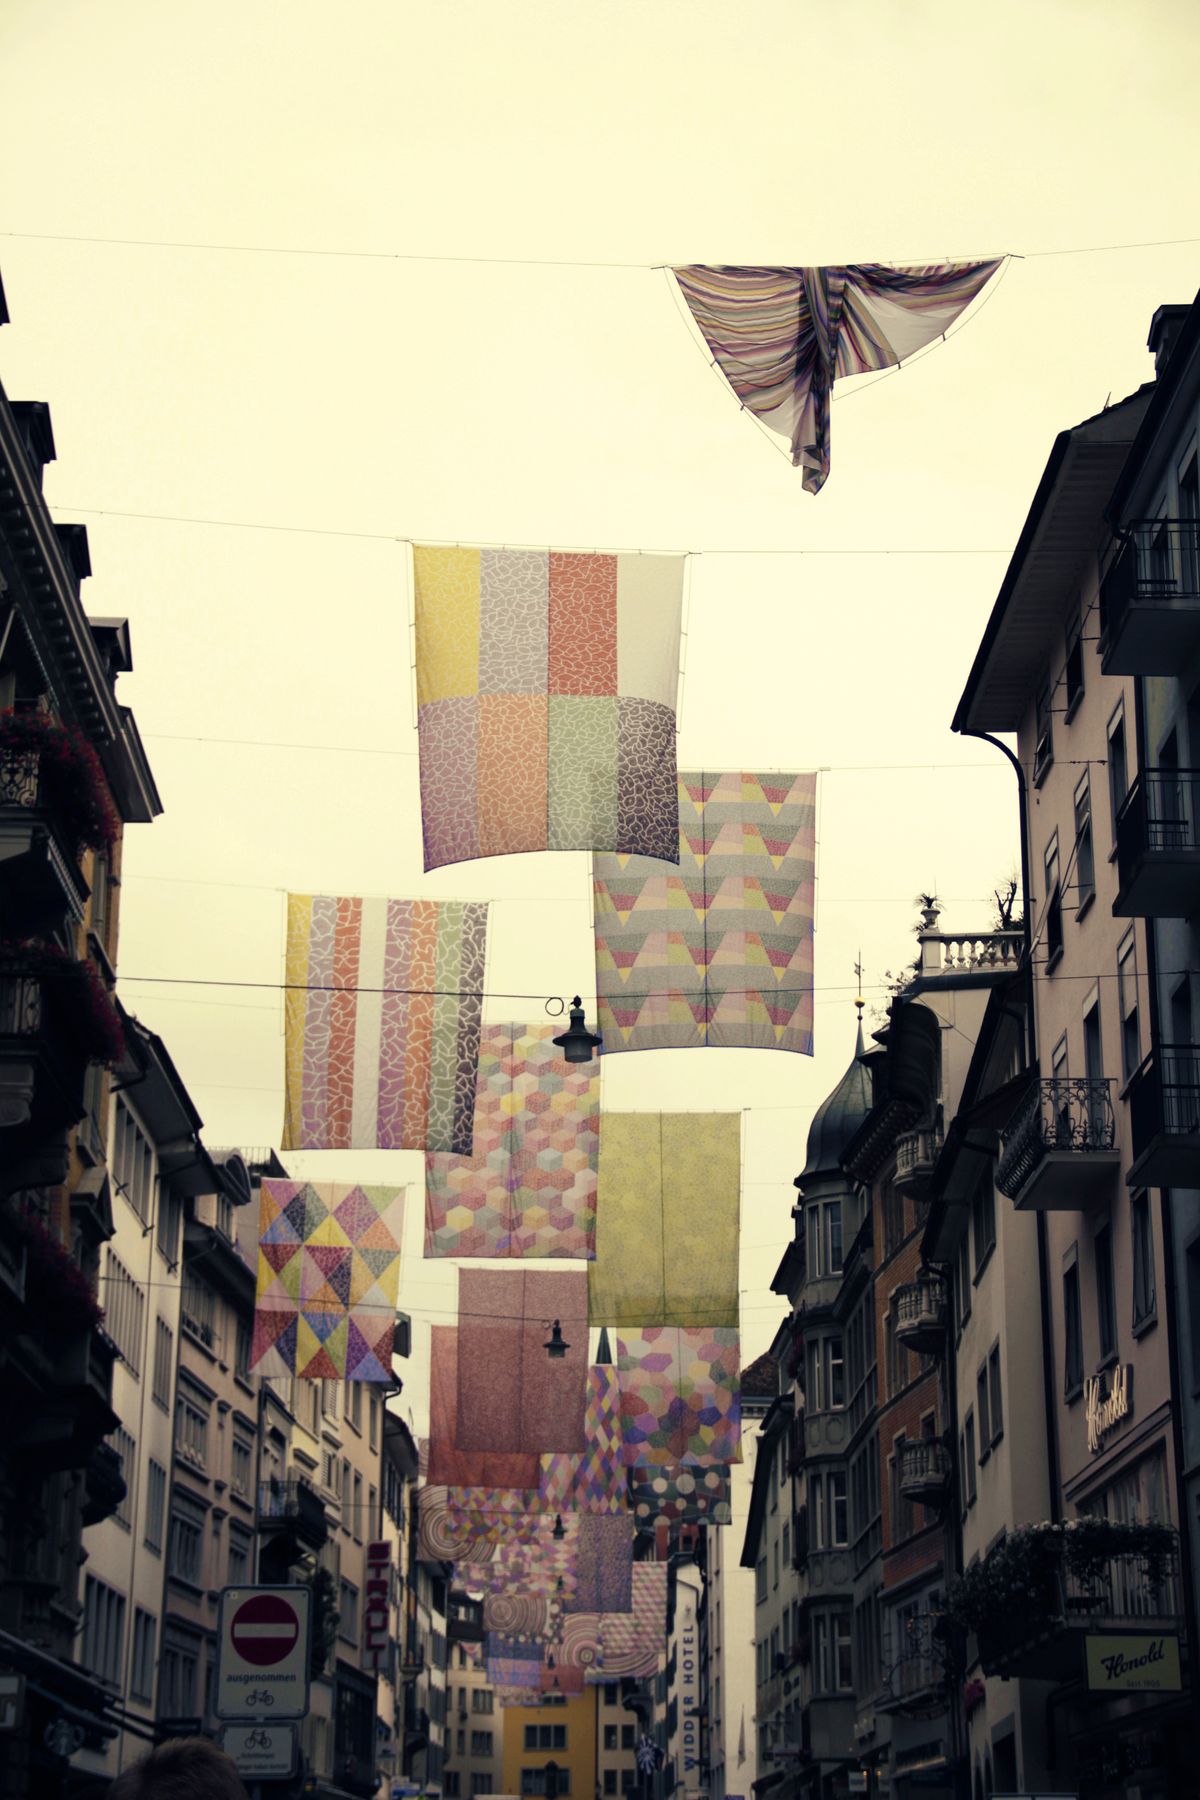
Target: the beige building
(474, 1761)
(1067, 1150)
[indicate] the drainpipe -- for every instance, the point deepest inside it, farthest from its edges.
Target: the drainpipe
(1048, 1397)
(1178, 1387)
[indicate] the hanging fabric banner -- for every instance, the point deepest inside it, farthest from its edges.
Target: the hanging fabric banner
(515, 1662)
(512, 1394)
(681, 1496)
(382, 1016)
(449, 1466)
(546, 692)
(718, 951)
(680, 1397)
(328, 1277)
(577, 1645)
(546, 1566)
(596, 1480)
(604, 1565)
(660, 1175)
(632, 1643)
(529, 1186)
(782, 336)
(520, 1615)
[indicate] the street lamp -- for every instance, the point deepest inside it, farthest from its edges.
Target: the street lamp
(577, 1043)
(556, 1345)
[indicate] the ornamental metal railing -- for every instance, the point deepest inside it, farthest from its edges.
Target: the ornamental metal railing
(1059, 1113)
(1165, 1096)
(1159, 560)
(1160, 815)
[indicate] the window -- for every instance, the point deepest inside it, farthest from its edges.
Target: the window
(983, 1220)
(177, 1676)
(344, 1485)
(831, 1661)
(1106, 1307)
(239, 1556)
(627, 1737)
(141, 1672)
(374, 1517)
(760, 1581)
(893, 1218)
(481, 1743)
(981, 1412)
(347, 1611)
(124, 1311)
(895, 1355)
(610, 1781)
(373, 1420)
(824, 1235)
(536, 1781)
(356, 1505)
(545, 1737)
(241, 1475)
(1118, 766)
(126, 1449)
(241, 1350)
(353, 1408)
(132, 1162)
(1043, 753)
(610, 1737)
(995, 1398)
(1072, 1329)
(185, 1542)
(170, 1213)
(481, 1700)
(164, 1347)
(1127, 1001)
(329, 1399)
(198, 1310)
(827, 1507)
(826, 1375)
(156, 1504)
(103, 1630)
(1073, 667)
(1052, 920)
(1143, 1260)
(962, 1272)
(969, 1456)
(1085, 861)
(191, 1429)
(451, 1786)
(482, 1783)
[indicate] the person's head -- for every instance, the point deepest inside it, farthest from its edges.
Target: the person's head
(182, 1769)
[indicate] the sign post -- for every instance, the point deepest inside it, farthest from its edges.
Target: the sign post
(262, 1660)
(261, 1752)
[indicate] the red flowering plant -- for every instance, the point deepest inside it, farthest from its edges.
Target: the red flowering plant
(70, 767)
(55, 1286)
(75, 986)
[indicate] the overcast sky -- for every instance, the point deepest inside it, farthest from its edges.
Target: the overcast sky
(368, 398)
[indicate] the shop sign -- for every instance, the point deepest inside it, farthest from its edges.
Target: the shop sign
(377, 1606)
(1105, 1411)
(1146, 1664)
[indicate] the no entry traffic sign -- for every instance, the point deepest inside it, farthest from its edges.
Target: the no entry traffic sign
(262, 1666)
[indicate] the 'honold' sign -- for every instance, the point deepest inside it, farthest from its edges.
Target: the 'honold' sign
(1102, 1410)
(1135, 1663)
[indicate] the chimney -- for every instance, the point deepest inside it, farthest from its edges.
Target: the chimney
(1165, 328)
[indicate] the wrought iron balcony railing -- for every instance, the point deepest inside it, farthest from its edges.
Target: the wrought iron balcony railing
(1060, 1146)
(1150, 598)
(291, 1504)
(1164, 1116)
(1158, 845)
(922, 1307)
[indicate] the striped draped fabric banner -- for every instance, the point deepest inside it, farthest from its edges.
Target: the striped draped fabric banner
(382, 1018)
(782, 336)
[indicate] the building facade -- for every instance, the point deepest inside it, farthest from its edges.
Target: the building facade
(727, 1627)
(72, 776)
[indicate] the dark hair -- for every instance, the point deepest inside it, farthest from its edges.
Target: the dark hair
(190, 1768)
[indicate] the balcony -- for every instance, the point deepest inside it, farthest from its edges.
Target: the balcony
(1126, 1594)
(1150, 599)
(56, 1017)
(1158, 846)
(292, 1509)
(915, 1682)
(921, 1312)
(1164, 1118)
(924, 1471)
(73, 1411)
(1059, 1151)
(39, 853)
(916, 1153)
(104, 1485)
